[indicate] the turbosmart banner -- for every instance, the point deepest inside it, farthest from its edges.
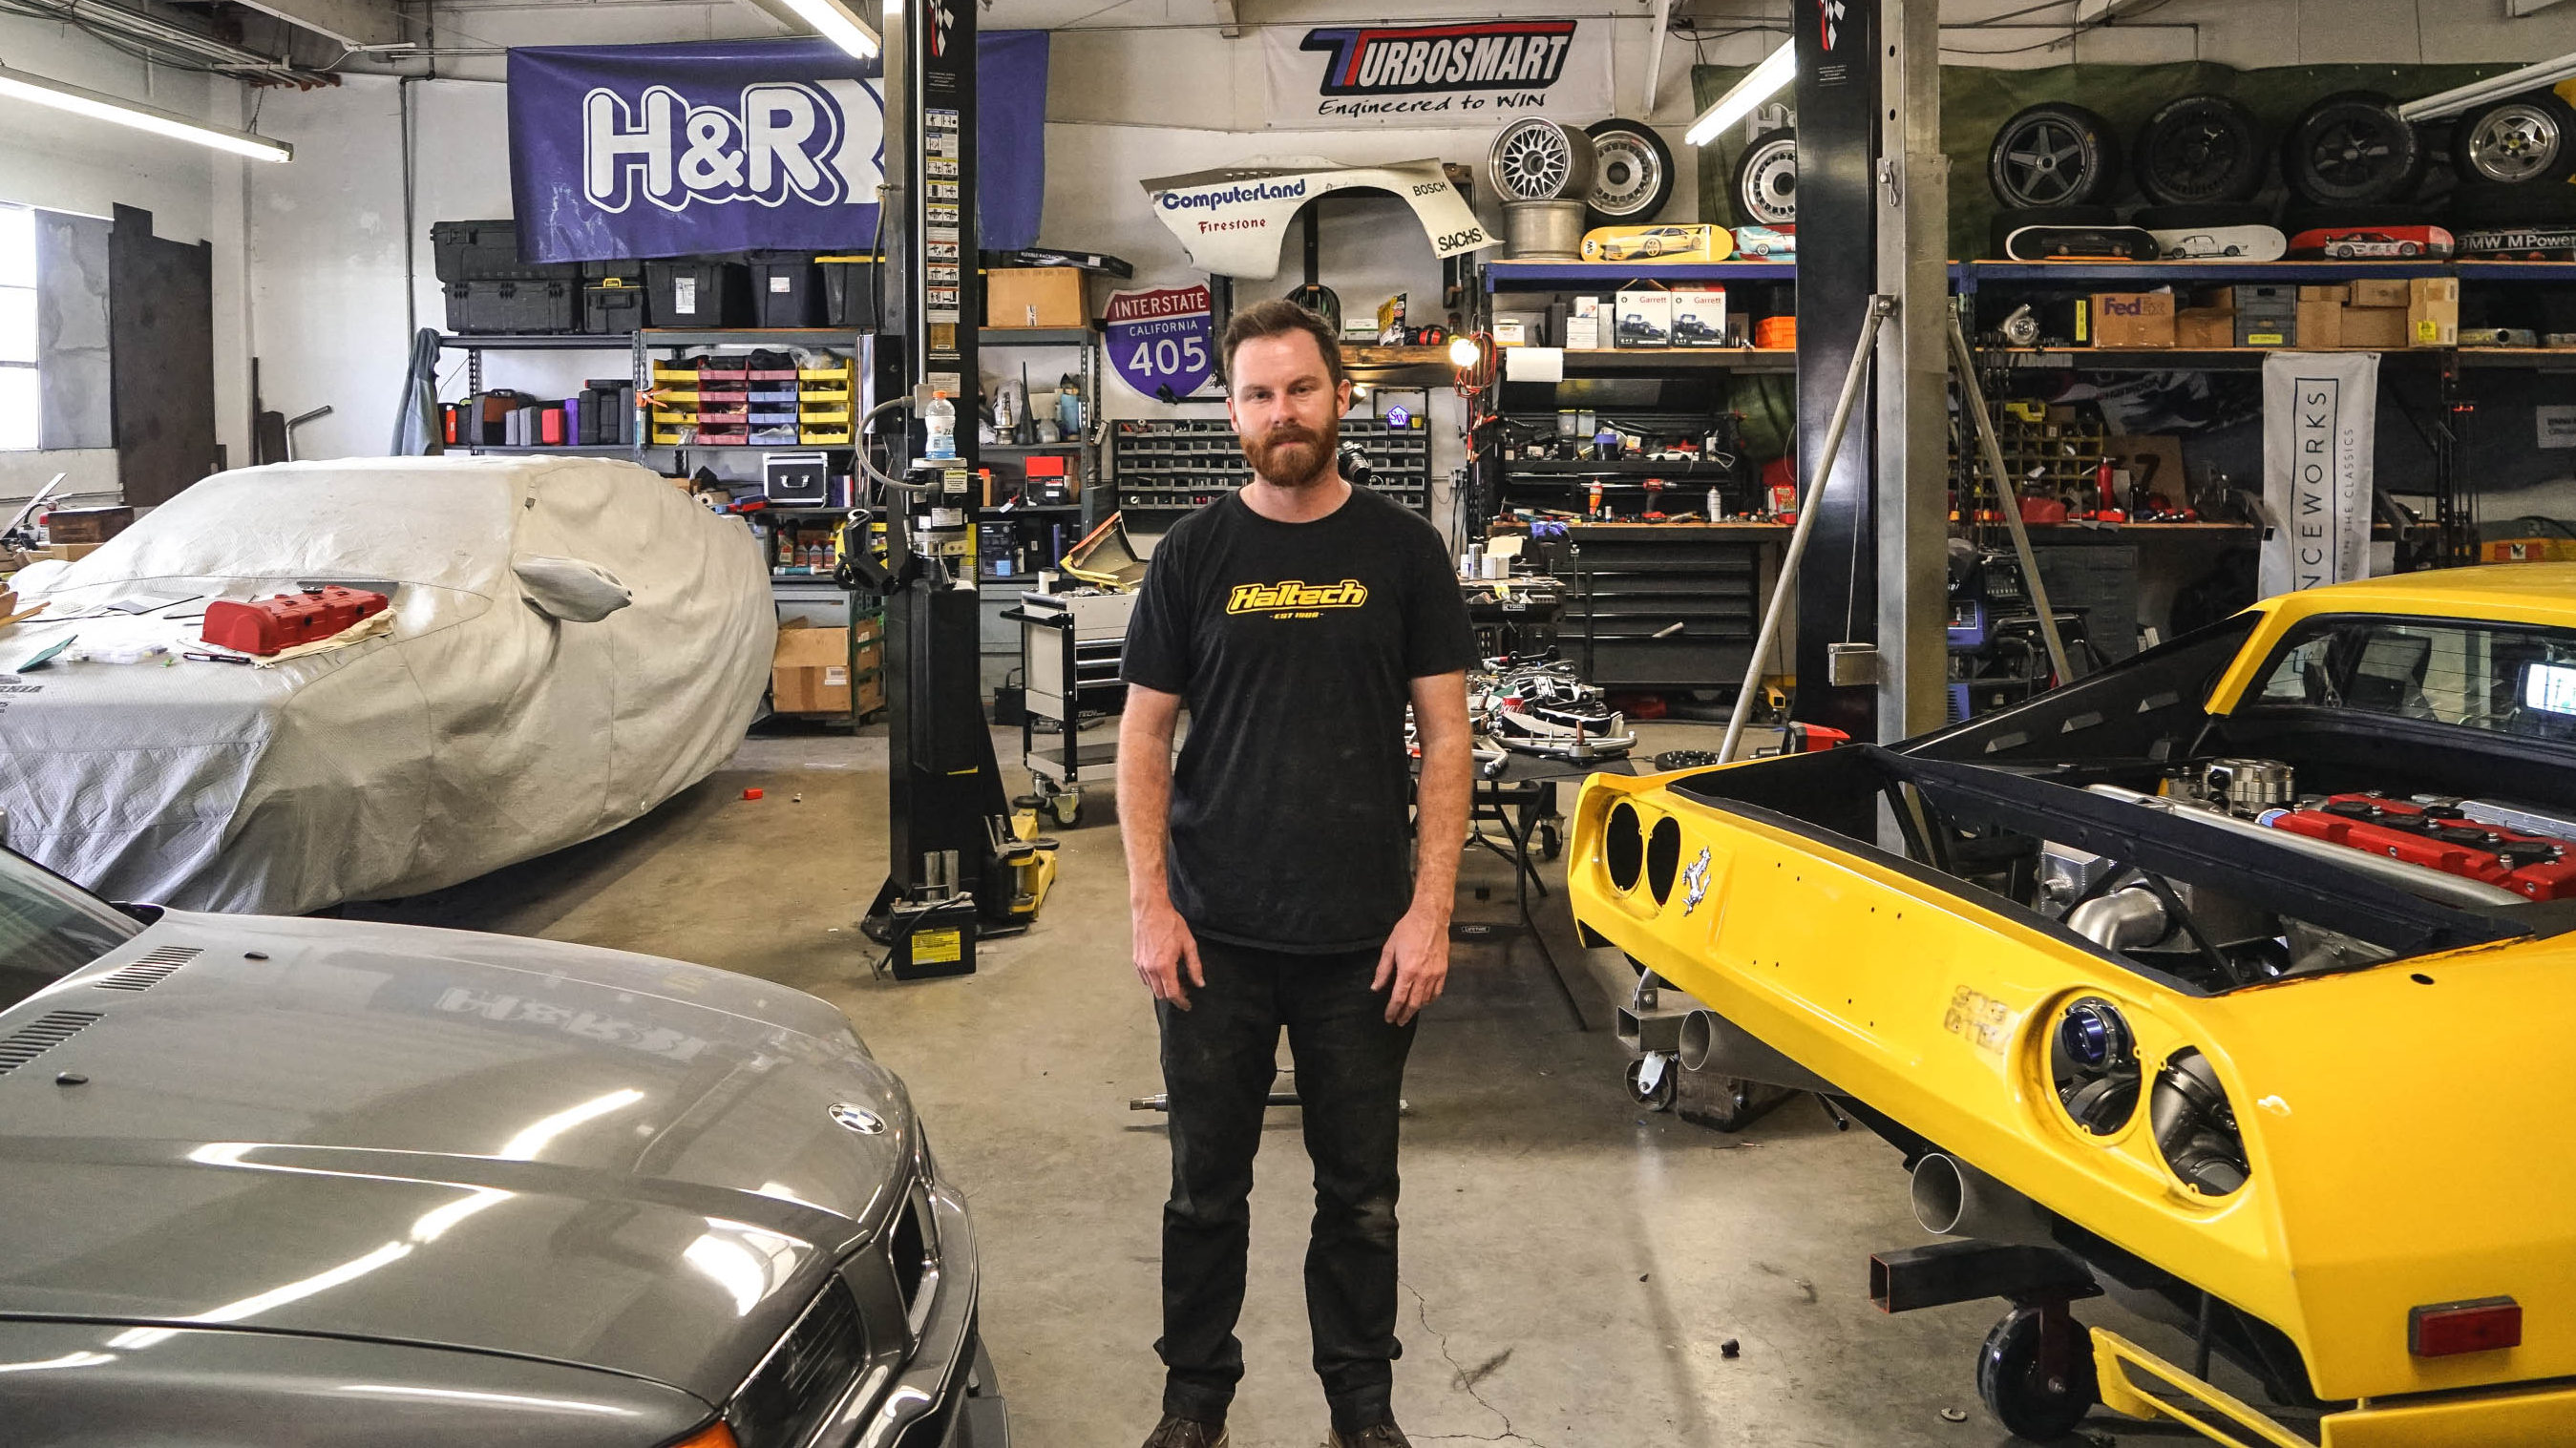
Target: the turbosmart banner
(1231, 219)
(1162, 340)
(2320, 420)
(669, 150)
(1471, 73)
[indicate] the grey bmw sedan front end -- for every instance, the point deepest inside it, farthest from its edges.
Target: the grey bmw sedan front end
(281, 1181)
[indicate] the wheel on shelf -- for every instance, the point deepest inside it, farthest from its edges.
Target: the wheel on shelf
(1657, 1096)
(2023, 1396)
(2352, 146)
(1765, 185)
(2053, 154)
(2199, 150)
(2516, 141)
(1632, 172)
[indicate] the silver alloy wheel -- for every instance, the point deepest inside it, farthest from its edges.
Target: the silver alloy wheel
(1629, 177)
(2515, 142)
(1769, 191)
(1535, 159)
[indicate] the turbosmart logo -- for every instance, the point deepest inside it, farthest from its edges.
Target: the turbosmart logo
(1409, 60)
(785, 141)
(1295, 593)
(1233, 195)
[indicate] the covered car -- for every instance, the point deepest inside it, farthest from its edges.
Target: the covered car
(568, 643)
(2237, 974)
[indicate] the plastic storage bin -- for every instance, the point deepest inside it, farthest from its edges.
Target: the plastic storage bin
(516, 307)
(693, 291)
(612, 307)
(488, 251)
(849, 290)
(786, 289)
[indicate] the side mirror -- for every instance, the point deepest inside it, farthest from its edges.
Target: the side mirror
(570, 590)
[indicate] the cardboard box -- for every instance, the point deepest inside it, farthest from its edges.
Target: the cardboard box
(87, 525)
(1642, 319)
(2339, 294)
(2133, 319)
(810, 672)
(2320, 325)
(2433, 311)
(2376, 329)
(1699, 318)
(1034, 296)
(2395, 293)
(2205, 329)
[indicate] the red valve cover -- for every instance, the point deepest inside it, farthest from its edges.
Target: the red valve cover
(2402, 830)
(270, 625)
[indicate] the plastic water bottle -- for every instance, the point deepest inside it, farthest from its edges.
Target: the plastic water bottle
(939, 419)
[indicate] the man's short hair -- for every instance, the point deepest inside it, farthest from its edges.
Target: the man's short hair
(1278, 319)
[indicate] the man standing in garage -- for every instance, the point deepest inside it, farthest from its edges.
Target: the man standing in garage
(1268, 880)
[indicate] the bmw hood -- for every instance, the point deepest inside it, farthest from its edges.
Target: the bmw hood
(471, 1141)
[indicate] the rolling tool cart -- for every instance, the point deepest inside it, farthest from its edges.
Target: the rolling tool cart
(1071, 645)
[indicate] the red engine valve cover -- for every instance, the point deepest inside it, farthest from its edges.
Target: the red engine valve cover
(270, 625)
(2402, 830)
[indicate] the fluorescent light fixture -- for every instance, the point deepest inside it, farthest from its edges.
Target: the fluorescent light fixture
(2541, 76)
(834, 21)
(1765, 81)
(19, 85)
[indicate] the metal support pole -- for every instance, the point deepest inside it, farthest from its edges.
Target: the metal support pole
(1973, 398)
(1808, 508)
(1912, 511)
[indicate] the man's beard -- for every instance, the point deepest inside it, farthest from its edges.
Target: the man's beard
(1291, 457)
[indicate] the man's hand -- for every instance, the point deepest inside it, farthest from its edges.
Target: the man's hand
(1416, 958)
(1163, 944)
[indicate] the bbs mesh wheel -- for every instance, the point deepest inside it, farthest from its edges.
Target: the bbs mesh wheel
(1765, 188)
(1536, 159)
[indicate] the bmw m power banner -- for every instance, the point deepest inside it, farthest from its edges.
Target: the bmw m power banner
(669, 150)
(1464, 73)
(2320, 420)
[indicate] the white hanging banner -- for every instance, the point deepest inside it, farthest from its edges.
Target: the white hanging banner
(1461, 73)
(1232, 219)
(2320, 425)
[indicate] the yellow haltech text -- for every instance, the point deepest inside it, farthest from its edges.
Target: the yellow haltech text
(1295, 593)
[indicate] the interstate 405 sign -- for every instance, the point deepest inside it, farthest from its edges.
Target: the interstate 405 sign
(1162, 340)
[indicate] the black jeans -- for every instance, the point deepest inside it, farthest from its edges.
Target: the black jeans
(1218, 1063)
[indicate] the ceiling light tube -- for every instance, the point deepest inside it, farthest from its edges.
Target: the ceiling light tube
(2545, 74)
(1766, 80)
(839, 24)
(18, 85)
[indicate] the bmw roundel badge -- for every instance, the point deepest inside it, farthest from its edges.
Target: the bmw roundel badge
(858, 1118)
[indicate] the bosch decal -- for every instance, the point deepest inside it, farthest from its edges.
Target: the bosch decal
(1411, 59)
(783, 143)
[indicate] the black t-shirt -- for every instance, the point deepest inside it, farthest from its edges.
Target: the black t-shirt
(1294, 646)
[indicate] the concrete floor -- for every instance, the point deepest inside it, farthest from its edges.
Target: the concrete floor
(1572, 1264)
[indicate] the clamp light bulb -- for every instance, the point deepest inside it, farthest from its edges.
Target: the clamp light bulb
(1463, 352)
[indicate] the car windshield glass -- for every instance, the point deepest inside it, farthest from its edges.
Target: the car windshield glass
(2504, 679)
(48, 929)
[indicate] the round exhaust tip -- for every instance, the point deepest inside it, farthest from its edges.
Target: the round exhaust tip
(1939, 1195)
(1699, 1036)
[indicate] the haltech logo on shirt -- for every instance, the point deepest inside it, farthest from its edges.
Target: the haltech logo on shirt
(1295, 594)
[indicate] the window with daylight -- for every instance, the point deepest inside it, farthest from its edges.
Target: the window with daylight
(18, 394)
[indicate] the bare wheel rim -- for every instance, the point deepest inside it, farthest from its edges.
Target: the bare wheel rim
(2043, 162)
(1771, 185)
(1626, 174)
(2515, 143)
